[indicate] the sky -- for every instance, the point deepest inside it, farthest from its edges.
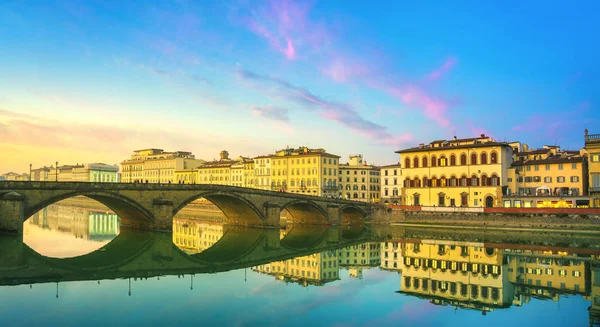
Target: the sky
(91, 81)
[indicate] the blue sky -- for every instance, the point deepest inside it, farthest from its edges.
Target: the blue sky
(92, 81)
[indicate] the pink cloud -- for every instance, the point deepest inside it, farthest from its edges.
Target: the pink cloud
(286, 26)
(343, 71)
(448, 64)
(413, 95)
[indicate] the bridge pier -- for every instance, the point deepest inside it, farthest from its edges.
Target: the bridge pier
(334, 214)
(12, 206)
(272, 215)
(11, 255)
(162, 210)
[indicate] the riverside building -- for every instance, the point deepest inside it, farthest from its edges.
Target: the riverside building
(156, 165)
(468, 172)
(391, 184)
(359, 180)
(592, 149)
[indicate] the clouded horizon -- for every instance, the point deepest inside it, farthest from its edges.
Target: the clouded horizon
(93, 81)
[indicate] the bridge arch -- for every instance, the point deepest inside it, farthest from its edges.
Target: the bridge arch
(129, 211)
(304, 237)
(236, 208)
(352, 214)
(306, 212)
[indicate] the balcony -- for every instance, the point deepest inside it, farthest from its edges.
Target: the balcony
(592, 138)
(594, 189)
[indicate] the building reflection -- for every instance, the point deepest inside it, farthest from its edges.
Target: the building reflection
(314, 269)
(486, 277)
(83, 223)
(358, 257)
(194, 236)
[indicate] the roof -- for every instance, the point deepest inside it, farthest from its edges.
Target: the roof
(538, 151)
(550, 160)
(347, 166)
(462, 146)
(217, 164)
(397, 165)
(152, 149)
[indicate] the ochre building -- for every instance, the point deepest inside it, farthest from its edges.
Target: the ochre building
(156, 166)
(359, 180)
(460, 172)
(592, 149)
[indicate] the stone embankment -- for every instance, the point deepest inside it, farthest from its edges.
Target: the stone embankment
(496, 218)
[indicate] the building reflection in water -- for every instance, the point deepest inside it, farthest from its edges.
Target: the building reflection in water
(83, 223)
(485, 278)
(194, 236)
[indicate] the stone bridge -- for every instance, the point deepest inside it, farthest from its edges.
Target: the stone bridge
(152, 206)
(146, 254)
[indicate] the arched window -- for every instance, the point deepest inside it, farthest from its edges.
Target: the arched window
(443, 181)
(363, 188)
(417, 182)
(463, 159)
(355, 187)
(453, 181)
(495, 180)
(355, 195)
(494, 158)
(474, 159)
(416, 162)
(434, 181)
(433, 161)
(484, 158)
(474, 180)
(452, 160)
(484, 180)
(426, 182)
(463, 181)
(443, 161)
(407, 163)
(407, 182)
(425, 164)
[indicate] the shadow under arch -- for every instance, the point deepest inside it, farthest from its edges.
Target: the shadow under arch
(306, 212)
(353, 232)
(304, 237)
(236, 209)
(124, 248)
(236, 243)
(352, 215)
(129, 211)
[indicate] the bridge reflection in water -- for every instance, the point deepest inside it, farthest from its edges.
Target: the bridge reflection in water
(467, 270)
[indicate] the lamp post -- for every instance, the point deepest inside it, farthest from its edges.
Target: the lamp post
(56, 170)
(30, 179)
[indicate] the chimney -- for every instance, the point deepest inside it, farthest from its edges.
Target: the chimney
(482, 135)
(455, 137)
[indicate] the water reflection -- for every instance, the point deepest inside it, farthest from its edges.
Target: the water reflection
(63, 231)
(416, 276)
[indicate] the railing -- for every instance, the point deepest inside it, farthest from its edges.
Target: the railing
(594, 189)
(592, 138)
(562, 195)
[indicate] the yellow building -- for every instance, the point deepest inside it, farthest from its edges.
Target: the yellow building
(12, 176)
(592, 149)
(242, 172)
(391, 184)
(216, 172)
(358, 180)
(262, 172)
(314, 269)
(547, 177)
(460, 274)
(459, 172)
(194, 236)
(303, 170)
(366, 255)
(156, 165)
(391, 256)
(546, 274)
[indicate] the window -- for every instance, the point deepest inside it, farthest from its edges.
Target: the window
(425, 162)
(537, 167)
(574, 179)
(463, 159)
(473, 159)
(395, 172)
(547, 167)
(407, 163)
(416, 163)
(595, 157)
(573, 166)
(433, 161)
(385, 172)
(443, 162)
(548, 179)
(452, 160)
(560, 166)
(560, 179)
(484, 158)
(494, 158)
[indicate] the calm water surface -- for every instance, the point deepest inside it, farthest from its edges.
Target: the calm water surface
(75, 267)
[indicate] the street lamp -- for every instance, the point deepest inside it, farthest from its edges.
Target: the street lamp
(56, 169)
(30, 173)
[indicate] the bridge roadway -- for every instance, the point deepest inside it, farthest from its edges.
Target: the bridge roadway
(143, 254)
(152, 206)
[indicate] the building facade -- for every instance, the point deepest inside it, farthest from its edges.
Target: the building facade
(592, 149)
(302, 170)
(262, 172)
(460, 172)
(194, 236)
(547, 177)
(359, 180)
(315, 269)
(391, 184)
(156, 165)
(216, 172)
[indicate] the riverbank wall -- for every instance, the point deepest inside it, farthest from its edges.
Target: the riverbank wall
(534, 218)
